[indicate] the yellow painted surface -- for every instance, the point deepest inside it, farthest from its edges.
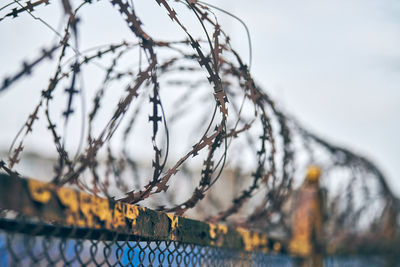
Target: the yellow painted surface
(313, 173)
(85, 204)
(174, 221)
(174, 224)
(264, 243)
(118, 215)
(307, 224)
(302, 229)
(68, 198)
(217, 233)
(277, 247)
(39, 192)
(101, 209)
(223, 229)
(85, 210)
(252, 241)
(131, 212)
(217, 229)
(212, 232)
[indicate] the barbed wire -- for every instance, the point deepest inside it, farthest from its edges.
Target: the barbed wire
(209, 73)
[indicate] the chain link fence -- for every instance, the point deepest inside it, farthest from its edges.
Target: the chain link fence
(44, 225)
(19, 249)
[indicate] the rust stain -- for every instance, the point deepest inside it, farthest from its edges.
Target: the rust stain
(131, 213)
(80, 209)
(118, 219)
(223, 229)
(217, 233)
(68, 198)
(101, 209)
(86, 202)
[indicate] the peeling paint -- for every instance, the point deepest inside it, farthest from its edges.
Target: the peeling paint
(264, 244)
(277, 247)
(174, 221)
(79, 209)
(85, 204)
(212, 232)
(217, 233)
(38, 191)
(118, 215)
(217, 230)
(101, 209)
(174, 224)
(246, 238)
(252, 241)
(68, 198)
(222, 229)
(131, 213)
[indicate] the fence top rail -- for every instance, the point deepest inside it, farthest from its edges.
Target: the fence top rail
(64, 211)
(47, 209)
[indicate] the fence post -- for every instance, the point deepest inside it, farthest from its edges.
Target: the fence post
(390, 233)
(307, 221)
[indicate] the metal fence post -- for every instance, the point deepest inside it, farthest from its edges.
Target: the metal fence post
(307, 221)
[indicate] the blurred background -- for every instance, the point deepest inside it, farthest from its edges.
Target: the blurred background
(335, 66)
(332, 64)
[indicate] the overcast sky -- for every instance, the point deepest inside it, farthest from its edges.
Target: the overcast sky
(333, 64)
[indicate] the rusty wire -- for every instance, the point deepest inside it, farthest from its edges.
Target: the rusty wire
(243, 118)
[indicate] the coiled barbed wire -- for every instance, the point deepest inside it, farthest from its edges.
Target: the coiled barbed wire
(240, 126)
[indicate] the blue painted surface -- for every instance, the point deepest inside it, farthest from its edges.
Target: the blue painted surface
(3, 251)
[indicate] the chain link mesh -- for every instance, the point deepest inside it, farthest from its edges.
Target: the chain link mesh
(18, 249)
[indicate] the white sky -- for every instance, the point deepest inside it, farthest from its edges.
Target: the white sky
(333, 64)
